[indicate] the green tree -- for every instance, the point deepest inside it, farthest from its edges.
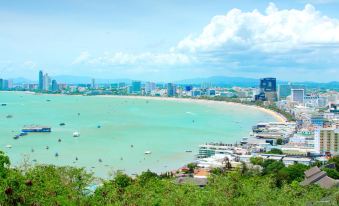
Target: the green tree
(192, 166)
(331, 173)
(335, 160)
(279, 141)
(274, 151)
(146, 177)
(257, 160)
(272, 166)
(292, 172)
(4, 164)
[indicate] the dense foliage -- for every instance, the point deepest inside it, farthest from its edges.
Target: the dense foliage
(51, 185)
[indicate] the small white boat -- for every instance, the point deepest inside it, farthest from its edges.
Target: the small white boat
(8, 146)
(76, 134)
(148, 152)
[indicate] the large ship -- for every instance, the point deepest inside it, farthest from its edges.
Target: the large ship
(36, 128)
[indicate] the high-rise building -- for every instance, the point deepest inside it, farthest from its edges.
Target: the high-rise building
(284, 90)
(149, 87)
(10, 84)
(41, 80)
(298, 95)
(327, 141)
(136, 87)
(93, 86)
(171, 89)
(267, 90)
(55, 86)
(188, 88)
(46, 82)
(3, 84)
(268, 84)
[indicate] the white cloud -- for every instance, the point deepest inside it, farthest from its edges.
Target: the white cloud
(81, 58)
(273, 31)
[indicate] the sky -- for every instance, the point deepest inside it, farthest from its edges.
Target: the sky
(168, 40)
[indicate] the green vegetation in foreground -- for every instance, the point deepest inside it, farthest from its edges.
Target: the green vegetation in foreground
(52, 185)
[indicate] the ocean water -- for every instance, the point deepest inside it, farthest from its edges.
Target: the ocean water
(128, 128)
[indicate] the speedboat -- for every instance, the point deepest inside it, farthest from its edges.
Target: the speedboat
(76, 134)
(148, 152)
(23, 134)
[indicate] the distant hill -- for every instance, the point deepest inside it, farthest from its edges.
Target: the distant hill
(68, 79)
(222, 81)
(250, 82)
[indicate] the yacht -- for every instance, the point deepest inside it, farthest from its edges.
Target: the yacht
(76, 134)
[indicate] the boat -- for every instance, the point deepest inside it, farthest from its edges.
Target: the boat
(98, 126)
(9, 146)
(76, 134)
(59, 140)
(16, 137)
(100, 160)
(9, 116)
(3, 104)
(35, 128)
(62, 124)
(56, 155)
(23, 134)
(148, 152)
(188, 150)
(47, 147)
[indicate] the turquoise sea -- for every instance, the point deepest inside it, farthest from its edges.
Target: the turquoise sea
(166, 128)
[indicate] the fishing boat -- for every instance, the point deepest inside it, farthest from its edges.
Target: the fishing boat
(148, 152)
(36, 128)
(76, 134)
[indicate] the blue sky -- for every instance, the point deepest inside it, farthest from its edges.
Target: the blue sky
(170, 39)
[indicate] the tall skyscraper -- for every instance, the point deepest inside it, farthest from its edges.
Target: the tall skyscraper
(1, 84)
(149, 87)
(268, 90)
(327, 141)
(136, 87)
(93, 86)
(46, 82)
(171, 89)
(55, 86)
(284, 90)
(41, 80)
(268, 84)
(298, 95)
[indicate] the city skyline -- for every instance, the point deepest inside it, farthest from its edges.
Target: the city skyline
(144, 41)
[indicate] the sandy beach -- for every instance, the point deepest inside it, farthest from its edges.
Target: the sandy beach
(276, 115)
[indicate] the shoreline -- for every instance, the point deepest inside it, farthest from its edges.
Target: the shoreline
(279, 117)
